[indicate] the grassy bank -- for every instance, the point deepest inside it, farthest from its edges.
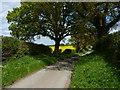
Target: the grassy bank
(16, 69)
(63, 47)
(93, 72)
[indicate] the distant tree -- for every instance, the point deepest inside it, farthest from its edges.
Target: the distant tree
(67, 44)
(62, 44)
(84, 37)
(53, 20)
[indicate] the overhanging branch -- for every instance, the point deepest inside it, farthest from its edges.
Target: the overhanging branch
(113, 22)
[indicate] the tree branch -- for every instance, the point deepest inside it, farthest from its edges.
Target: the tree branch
(113, 22)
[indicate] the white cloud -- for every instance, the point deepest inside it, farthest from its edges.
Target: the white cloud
(6, 33)
(0, 31)
(3, 14)
(116, 29)
(45, 41)
(6, 6)
(10, 0)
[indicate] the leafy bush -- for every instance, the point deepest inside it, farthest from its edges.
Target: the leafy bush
(23, 49)
(36, 49)
(58, 51)
(9, 46)
(67, 51)
(13, 47)
(83, 50)
(110, 46)
(105, 44)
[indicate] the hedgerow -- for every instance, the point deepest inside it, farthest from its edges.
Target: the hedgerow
(110, 46)
(13, 48)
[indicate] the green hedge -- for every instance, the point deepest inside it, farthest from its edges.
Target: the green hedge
(13, 47)
(110, 46)
(67, 51)
(36, 49)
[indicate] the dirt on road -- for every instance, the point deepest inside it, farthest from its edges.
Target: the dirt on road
(55, 76)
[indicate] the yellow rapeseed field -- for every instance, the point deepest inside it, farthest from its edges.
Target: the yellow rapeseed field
(63, 47)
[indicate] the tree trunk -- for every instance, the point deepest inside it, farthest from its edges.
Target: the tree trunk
(101, 31)
(78, 47)
(57, 44)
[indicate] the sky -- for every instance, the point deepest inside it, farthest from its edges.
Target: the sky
(8, 5)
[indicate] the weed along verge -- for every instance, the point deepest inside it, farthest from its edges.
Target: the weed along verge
(92, 71)
(16, 69)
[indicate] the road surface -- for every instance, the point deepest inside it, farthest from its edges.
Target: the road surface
(55, 76)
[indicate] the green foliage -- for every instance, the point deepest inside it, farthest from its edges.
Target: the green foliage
(58, 51)
(116, 38)
(62, 44)
(67, 51)
(105, 44)
(23, 49)
(93, 72)
(13, 48)
(62, 56)
(84, 37)
(96, 13)
(110, 46)
(35, 49)
(9, 46)
(16, 69)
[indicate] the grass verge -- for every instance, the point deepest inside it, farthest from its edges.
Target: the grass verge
(18, 68)
(92, 71)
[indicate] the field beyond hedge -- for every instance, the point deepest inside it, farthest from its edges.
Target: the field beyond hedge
(93, 71)
(15, 69)
(63, 47)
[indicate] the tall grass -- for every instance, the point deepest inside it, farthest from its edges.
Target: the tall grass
(93, 72)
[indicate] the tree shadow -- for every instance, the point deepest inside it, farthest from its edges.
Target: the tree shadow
(67, 64)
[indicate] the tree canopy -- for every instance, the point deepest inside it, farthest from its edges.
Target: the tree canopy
(103, 15)
(60, 19)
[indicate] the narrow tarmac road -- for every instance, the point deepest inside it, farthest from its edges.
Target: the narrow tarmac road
(55, 76)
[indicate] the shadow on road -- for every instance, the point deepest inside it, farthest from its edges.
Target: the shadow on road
(67, 64)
